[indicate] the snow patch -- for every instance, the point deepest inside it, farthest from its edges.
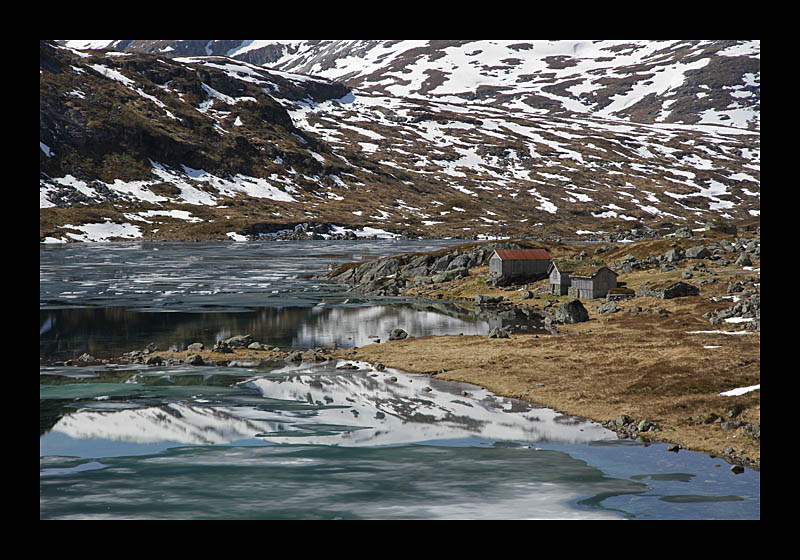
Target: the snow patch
(740, 391)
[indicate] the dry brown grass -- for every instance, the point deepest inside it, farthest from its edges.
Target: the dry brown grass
(644, 365)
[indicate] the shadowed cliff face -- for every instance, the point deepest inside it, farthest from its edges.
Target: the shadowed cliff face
(97, 109)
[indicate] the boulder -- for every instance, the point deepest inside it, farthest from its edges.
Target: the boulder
(608, 306)
(645, 425)
(240, 340)
(371, 271)
(450, 274)
(414, 271)
(222, 347)
(673, 255)
(752, 430)
(571, 312)
(697, 252)
(498, 332)
(441, 264)
(397, 334)
(680, 289)
(195, 360)
(486, 300)
(461, 261)
(418, 266)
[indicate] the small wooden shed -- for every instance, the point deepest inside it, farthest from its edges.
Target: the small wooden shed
(519, 262)
(558, 273)
(591, 282)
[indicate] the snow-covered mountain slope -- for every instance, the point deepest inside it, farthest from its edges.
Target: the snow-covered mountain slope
(425, 137)
(707, 82)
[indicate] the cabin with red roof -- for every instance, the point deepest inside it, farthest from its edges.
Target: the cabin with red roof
(511, 263)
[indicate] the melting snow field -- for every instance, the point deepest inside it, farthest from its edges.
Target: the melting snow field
(189, 193)
(101, 232)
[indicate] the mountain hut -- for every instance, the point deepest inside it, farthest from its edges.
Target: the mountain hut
(591, 282)
(519, 262)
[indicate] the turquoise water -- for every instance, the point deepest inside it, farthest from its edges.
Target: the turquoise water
(310, 441)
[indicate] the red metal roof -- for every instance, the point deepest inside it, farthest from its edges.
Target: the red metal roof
(523, 254)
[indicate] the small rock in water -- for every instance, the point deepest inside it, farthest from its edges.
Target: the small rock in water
(397, 334)
(348, 366)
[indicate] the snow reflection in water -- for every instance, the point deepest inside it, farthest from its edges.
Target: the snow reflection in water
(316, 404)
(310, 442)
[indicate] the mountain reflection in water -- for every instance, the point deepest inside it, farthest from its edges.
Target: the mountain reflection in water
(316, 404)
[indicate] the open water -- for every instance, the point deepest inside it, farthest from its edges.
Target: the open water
(310, 441)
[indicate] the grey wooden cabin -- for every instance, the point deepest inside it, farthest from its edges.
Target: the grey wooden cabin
(591, 282)
(519, 262)
(559, 278)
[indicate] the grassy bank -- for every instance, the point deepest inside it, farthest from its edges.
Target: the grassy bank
(646, 367)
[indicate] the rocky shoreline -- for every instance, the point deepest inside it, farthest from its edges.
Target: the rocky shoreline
(647, 431)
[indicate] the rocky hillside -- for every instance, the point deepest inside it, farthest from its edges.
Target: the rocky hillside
(193, 139)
